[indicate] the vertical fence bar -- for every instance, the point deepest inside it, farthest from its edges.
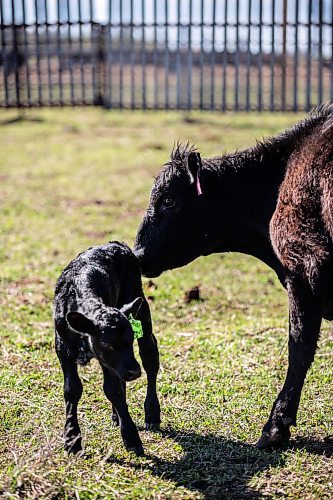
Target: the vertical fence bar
(143, 61)
(236, 102)
(189, 60)
(100, 64)
(92, 51)
(82, 85)
(178, 56)
(272, 61)
(166, 57)
(308, 78)
(39, 83)
(121, 57)
(132, 57)
(320, 52)
(69, 40)
(26, 54)
(284, 55)
(110, 56)
(212, 60)
(295, 106)
(225, 55)
(259, 60)
(4, 56)
(201, 53)
(248, 59)
(49, 75)
(155, 56)
(59, 55)
(15, 58)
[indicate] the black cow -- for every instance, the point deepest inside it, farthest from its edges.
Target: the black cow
(273, 201)
(96, 297)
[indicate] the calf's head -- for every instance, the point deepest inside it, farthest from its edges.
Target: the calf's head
(174, 230)
(110, 336)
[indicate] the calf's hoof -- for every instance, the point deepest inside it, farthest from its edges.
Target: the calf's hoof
(153, 427)
(73, 446)
(275, 439)
(131, 440)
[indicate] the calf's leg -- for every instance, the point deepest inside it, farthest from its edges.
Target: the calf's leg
(114, 391)
(115, 416)
(148, 350)
(72, 394)
(305, 314)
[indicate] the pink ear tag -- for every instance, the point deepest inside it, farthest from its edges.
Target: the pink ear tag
(199, 190)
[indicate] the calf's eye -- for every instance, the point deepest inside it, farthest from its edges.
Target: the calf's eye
(169, 203)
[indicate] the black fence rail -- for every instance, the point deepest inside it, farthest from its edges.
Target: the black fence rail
(167, 54)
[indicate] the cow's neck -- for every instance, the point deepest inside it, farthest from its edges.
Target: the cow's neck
(244, 191)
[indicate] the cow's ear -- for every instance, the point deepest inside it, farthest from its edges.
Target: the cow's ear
(133, 307)
(194, 166)
(80, 323)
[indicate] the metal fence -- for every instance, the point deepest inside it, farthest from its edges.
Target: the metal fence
(167, 54)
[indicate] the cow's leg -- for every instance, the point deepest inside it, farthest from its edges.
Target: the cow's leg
(72, 394)
(114, 391)
(305, 314)
(148, 350)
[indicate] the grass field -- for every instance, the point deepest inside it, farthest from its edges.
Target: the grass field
(76, 178)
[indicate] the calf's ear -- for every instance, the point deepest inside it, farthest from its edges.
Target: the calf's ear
(133, 307)
(194, 165)
(80, 323)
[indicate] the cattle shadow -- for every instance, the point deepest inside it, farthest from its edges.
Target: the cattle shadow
(218, 467)
(314, 446)
(212, 465)
(21, 117)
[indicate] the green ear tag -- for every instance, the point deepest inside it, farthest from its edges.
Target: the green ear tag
(136, 327)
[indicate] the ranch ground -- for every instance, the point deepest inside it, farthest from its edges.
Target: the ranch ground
(72, 178)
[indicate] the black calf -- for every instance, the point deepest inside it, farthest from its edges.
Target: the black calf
(96, 296)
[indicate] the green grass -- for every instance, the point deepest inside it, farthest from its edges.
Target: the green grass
(80, 177)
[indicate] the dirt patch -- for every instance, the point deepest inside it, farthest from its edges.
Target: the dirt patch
(26, 291)
(86, 202)
(192, 294)
(156, 146)
(97, 234)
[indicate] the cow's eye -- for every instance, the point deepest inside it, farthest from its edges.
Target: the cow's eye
(168, 202)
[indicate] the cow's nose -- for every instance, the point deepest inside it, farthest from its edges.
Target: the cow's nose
(133, 373)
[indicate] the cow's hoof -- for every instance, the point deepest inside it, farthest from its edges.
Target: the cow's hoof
(153, 427)
(138, 450)
(273, 440)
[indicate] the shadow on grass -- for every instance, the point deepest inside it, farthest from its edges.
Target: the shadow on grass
(314, 446)
(212, 465)
(21, 117)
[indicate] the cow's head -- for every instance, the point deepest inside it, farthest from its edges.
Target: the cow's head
(110, 336)
(174, 230)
